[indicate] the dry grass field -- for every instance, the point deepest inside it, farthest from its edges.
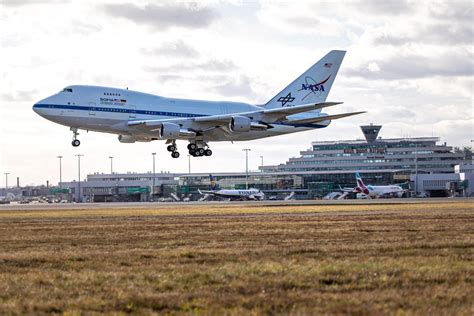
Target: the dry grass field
(316, 259)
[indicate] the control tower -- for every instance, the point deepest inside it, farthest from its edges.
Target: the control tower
(371, 132)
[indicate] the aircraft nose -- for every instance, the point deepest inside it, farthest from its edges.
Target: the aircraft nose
(38, 110)
(35, 108)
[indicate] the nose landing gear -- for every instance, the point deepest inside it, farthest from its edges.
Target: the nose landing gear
(75, 142)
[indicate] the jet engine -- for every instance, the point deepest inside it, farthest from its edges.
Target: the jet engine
(132, 139)
(169, 130)
(240, 124)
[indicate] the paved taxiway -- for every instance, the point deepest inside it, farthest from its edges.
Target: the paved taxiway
(147, 205)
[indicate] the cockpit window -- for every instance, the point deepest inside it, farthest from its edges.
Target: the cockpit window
(67, 90)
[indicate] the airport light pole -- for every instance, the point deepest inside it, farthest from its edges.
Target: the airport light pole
(79, 177)
(261, 157)
(6, 183)
(246, 167)
(153, 187)
(189, 163)
(60, 171)
(111, 164)
(416, 169)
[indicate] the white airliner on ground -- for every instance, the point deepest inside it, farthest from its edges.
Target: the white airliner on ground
(248, 194)
(374, 191)
(137, 116)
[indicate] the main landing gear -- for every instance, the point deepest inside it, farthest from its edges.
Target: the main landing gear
(75, 141)
(173, 149)
(196, 149)
(199, 149)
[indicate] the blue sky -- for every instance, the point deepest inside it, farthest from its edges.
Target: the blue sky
(408, 63)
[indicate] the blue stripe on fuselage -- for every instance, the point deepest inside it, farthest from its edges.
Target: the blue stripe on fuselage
(147, 112)
(114, 110)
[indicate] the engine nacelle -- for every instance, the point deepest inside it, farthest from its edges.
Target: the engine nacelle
(126, 139)
(169, 131)
(131, 139)
(240, 124)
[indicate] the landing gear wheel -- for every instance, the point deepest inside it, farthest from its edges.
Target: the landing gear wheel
(192, 152)
(76, 143)
(208, 152)
(192, 146)
(197, 153)
(175, 154)
(171, 148)
(201, 151)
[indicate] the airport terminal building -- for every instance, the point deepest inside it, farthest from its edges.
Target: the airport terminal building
(380, 161)
(121, 187)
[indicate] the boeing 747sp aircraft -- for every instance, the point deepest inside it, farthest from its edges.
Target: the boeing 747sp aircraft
(142, 117)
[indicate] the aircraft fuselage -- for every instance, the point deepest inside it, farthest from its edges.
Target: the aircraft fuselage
(108, 110)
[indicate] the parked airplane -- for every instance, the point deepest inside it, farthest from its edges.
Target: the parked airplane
(377, 190)
(249, 194)
(137, 116)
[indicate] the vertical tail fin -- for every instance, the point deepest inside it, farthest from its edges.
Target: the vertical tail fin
(360, 184)
(213, 182)
(313, 85)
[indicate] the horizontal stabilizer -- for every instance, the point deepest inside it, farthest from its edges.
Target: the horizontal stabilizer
(325, 118)
(285, 111)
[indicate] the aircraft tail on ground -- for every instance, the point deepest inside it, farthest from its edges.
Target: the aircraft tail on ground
(360, 184)
(213, 183)
(313, 85)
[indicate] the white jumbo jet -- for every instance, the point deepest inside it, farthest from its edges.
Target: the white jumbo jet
(142, 117)
(374, 191)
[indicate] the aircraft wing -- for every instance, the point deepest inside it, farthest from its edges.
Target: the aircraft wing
(268, 115)
(205, 192)
(324, 118)
(202, 123)
(154, 124)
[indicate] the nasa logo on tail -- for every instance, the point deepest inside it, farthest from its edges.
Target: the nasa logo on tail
(313, 86)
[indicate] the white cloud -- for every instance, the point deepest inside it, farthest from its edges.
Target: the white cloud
(165, 15)
(373, 67)
(172, 49)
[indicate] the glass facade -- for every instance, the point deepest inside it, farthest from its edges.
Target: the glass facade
(409, 155)
(262, 181)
